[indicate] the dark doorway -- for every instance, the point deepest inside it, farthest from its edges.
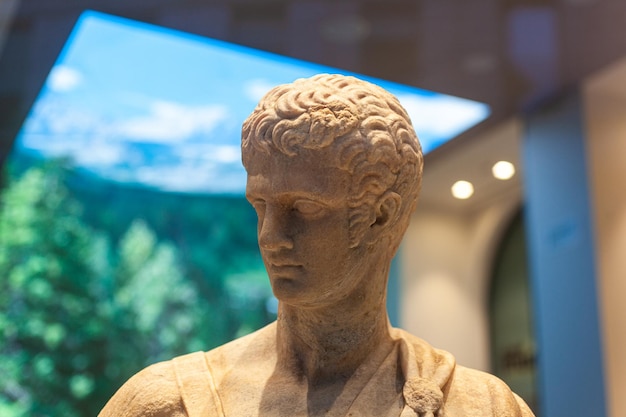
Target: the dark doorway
(512, 336)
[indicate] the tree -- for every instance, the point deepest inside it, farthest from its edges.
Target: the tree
(78, 316)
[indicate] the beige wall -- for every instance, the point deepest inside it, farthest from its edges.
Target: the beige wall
(446, 268)
(605, 106)
(447, 257)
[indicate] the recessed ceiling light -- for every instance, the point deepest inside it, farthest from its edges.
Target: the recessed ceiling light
(503, 170)
(462, 190)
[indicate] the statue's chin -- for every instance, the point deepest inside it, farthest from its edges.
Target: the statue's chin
(287, 289)
(294, 292)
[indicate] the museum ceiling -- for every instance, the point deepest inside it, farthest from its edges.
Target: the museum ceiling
(510, 54)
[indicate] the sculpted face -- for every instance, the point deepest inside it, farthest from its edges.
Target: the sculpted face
(303, 232)
(307, 146)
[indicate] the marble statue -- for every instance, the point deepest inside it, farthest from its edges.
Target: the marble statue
(334, 169)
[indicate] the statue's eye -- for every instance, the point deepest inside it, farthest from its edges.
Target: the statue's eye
(258, 204)
(309, 208)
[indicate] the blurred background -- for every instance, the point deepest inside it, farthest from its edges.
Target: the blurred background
(513, 261)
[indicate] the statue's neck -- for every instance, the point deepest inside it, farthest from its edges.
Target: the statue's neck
(330, 342)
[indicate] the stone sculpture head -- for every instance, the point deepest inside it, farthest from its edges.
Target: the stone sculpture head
(338, 133)
(334, 171)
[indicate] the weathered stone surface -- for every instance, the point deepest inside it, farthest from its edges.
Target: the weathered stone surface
(334, 171)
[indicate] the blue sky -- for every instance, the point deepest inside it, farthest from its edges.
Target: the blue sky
(137, 103)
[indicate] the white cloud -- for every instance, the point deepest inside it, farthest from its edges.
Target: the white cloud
(94, 153)
(172, 122)
(63, 78)
(256, 89)
(55, 115)
(58, 128)
(188, 178)
(442, 115)
(99, 153)
(227, 154)
(224, 154)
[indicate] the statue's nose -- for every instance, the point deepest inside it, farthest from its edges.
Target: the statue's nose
(274, 232)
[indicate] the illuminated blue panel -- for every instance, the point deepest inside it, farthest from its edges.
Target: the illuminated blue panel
(140, 104)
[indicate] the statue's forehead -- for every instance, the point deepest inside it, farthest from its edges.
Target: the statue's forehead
(310, 172)
(270, 158)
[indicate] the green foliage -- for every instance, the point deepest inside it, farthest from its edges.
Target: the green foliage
(45, 306)
(215, 238)
(81, 311)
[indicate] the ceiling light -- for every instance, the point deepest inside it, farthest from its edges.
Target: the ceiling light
(462, 190)
(503, 170)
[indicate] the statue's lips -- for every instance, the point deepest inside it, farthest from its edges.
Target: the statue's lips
(284, 265)
(284, 269)
(280, 260)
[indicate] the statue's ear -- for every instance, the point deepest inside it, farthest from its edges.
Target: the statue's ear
(387, 212)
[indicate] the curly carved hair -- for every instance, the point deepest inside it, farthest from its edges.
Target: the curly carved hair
(369, 130)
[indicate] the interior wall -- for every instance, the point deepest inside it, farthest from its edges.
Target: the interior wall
(605, 107)
(561, 255)
(446, 268)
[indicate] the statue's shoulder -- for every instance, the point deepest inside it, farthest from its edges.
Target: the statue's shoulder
(186, 385)
(468, 392)
(256, 350)
(477, 391)
(151, 392)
